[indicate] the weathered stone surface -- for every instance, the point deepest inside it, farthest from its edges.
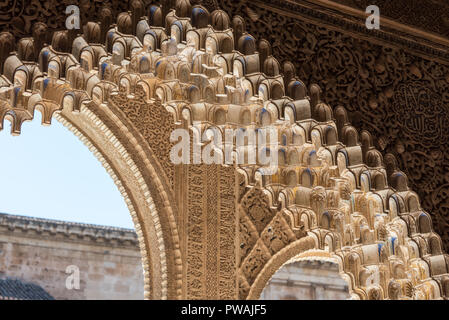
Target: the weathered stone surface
(39, 251)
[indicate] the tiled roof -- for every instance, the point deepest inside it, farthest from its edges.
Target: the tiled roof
(14, 289)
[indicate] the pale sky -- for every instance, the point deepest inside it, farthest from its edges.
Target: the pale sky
(47, 172)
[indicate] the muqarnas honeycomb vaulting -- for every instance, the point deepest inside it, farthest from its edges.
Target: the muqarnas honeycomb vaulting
(221, 231)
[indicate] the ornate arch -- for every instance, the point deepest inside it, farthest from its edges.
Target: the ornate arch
(135, 170)
(142, 189)
(276, 262)
(301, 250)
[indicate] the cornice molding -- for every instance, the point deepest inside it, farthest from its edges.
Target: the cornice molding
(79, 231)
(350, 20)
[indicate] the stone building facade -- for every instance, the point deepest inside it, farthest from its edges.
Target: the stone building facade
(311, 279)
(39, 251)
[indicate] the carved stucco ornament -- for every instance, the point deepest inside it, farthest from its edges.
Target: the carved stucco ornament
(221, 231)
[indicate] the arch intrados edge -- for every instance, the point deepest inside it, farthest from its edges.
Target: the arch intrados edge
(111, 126)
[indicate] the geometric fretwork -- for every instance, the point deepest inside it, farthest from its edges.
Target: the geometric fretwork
(221, 231)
